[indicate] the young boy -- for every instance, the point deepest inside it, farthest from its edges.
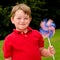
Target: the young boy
(24, 43)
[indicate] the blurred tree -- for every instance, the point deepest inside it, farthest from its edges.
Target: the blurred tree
(5, 25)
(54, 11)
(5, 3)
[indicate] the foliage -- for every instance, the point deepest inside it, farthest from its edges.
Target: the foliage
(54, 11)
(4, 21)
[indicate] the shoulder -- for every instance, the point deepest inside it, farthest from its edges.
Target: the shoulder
(37, 32)
(39, 36)
(8, 37)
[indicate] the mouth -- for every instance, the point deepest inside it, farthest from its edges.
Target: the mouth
(21, 24)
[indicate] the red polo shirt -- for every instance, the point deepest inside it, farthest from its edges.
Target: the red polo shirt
(23, 46)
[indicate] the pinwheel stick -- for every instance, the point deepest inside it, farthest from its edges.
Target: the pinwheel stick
(50, 45)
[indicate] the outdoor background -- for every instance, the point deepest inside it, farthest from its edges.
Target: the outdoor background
(40, 9)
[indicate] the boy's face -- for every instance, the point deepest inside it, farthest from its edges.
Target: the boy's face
(21, 20)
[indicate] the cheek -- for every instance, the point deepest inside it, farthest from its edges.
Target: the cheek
(28, 21)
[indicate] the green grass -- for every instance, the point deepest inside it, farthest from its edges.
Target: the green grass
(55, 40)
(1, 53)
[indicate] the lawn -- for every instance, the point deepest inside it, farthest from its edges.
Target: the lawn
(1, 53)
(55, 40)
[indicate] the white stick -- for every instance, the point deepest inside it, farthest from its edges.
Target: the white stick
(49, 42)
(50, 45)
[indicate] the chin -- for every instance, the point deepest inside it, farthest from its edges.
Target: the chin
(22, 28)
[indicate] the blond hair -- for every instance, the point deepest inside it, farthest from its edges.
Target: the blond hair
(23, 7)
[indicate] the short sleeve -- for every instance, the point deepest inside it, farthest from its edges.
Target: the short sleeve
(7, 49)
(41, 41)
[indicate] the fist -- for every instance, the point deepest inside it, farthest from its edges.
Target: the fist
(51, 50)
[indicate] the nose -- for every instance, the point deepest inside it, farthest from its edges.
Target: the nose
(22, 20)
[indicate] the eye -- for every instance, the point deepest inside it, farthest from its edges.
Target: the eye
(18, 18)
(26, 18)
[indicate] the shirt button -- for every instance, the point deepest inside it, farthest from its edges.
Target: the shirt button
(25, 35)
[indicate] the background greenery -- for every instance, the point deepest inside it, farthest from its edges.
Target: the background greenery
(55, 40)
(40, 9)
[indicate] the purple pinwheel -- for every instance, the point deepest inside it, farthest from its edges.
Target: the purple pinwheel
(47, 29)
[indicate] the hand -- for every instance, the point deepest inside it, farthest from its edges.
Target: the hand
(51, 50)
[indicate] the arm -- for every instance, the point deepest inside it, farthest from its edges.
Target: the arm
(47, 52)
(7, 49)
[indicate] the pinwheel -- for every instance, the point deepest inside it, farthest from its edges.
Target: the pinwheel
(47, 29)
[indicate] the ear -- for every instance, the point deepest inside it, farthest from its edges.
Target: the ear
(12, 20)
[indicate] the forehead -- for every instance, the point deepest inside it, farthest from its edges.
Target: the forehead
(20, 13)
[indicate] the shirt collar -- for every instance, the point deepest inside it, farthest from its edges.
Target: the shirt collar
(19, 32)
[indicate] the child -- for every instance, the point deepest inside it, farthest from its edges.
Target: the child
(24, 43)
